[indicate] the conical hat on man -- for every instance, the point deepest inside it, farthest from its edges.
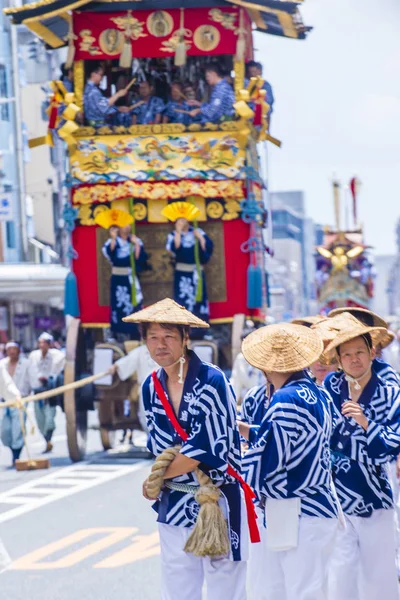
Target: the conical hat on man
(282, 348)
(167, 312)
(350, 328)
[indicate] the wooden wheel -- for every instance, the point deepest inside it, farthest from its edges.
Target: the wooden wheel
(76, 419)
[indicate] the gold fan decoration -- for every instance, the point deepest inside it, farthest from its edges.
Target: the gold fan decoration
(113, 217)
(181, 210)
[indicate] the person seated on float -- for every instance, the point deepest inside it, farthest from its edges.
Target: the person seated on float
(149, 108)
(255, 69)
(97, 107)
(221, 101)
(123, 116)
(177, 109)
(67, 77)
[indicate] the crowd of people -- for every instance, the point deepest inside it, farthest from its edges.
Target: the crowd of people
(19, 377)
(183, 101)
(316, 439)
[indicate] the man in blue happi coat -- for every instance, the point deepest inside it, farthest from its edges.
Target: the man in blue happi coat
(149, 108)
(288, 464)
(203, 404)
(99, 109)
(365, 438)
(221, 101)
(177, 109)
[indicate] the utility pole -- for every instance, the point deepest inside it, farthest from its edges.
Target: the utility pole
(20, 187)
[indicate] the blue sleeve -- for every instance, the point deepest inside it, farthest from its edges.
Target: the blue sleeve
(383, 439)
(170, 246)
(146, 395)
(206, 254)
(214, 430)
(141, 260)
(108, 253)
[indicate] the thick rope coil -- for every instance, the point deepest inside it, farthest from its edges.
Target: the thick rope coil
(209, 536)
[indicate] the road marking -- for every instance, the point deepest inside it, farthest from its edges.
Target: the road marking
(61, 483)
(143, 546)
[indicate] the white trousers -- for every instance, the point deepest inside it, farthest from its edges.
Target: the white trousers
(394, 482)
(183, 575)
(363, 566)
(301, 573)
(256, 566)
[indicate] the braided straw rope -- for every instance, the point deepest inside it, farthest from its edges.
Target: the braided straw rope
(210, 533)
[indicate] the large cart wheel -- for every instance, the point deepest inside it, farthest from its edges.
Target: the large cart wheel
(76, 419)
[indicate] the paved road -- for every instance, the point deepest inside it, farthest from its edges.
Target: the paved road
(80, 530)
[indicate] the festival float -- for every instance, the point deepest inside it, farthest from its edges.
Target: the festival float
(344, 271)
(141, 169)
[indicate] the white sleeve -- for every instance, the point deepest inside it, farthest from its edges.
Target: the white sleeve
(128, 365)
(239, 375)
(58, 363)
(8, 389)
(33, 372)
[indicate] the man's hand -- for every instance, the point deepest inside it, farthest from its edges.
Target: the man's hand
(195, 112)
(113, 232)
(121, 93)
(113, 369)
(124, 109)
(43, 379)
(135, 239)
(353, 410)
(193, 103)
(144, 491)
(244, 429)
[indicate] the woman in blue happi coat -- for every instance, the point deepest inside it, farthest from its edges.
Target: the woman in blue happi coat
(117, 251)
(192, 249)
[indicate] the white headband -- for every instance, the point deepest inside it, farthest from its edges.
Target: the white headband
(12, 345)
(46, 337)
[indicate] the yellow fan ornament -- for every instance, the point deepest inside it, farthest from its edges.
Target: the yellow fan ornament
(113, 217)
(181, 210)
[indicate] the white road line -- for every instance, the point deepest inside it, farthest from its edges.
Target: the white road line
(59, 478)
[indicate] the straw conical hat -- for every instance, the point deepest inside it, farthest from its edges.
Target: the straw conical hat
(282, 348)
(351, 328)
(367, 317)
(166, 311)
(308, 321)
(362, 315)
(329, 328)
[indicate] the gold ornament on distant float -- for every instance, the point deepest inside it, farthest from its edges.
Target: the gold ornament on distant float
(160, 23)
(140, 211)
(206, 38)
(215, 209)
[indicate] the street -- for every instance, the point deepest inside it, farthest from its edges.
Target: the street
(78, 530)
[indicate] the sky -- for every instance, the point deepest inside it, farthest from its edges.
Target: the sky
(337, 110)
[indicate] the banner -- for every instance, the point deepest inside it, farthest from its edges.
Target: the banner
(156, 33)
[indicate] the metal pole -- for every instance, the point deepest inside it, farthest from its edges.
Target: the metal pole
(20, 187)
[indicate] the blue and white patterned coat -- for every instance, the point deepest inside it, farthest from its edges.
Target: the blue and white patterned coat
(220, 105)
(359, 456)
(146, 113)
(96, 106)
(254, 405)
(172, 111)
(385, 371)
(208, 414)
(290, 457)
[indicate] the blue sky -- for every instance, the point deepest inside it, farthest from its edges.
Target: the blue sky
(337, 109)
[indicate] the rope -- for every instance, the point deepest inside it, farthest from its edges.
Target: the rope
(51, 393)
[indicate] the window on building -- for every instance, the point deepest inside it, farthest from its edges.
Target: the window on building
(4, 108)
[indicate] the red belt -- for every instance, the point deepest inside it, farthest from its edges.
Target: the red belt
(249, 495)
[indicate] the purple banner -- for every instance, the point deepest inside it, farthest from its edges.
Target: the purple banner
(45, 323)
(21, 320)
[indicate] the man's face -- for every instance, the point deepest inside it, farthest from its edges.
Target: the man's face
(97, 76)
(211, 77)
(144, 89)
(176, 93)
(320, 371)
(13, 353)
(356, 357)
(44, 346)
(165, 345)
(254, 72)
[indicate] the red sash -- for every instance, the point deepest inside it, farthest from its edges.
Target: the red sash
(248, 492)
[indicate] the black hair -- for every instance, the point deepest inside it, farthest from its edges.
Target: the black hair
(365, 318)
(182, 329)
(215, 68)
(367, 339)
(253, 63)
(95, 69)
(64, 70)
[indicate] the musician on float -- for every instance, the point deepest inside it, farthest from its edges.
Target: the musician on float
(192, 249)
(125, 252)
